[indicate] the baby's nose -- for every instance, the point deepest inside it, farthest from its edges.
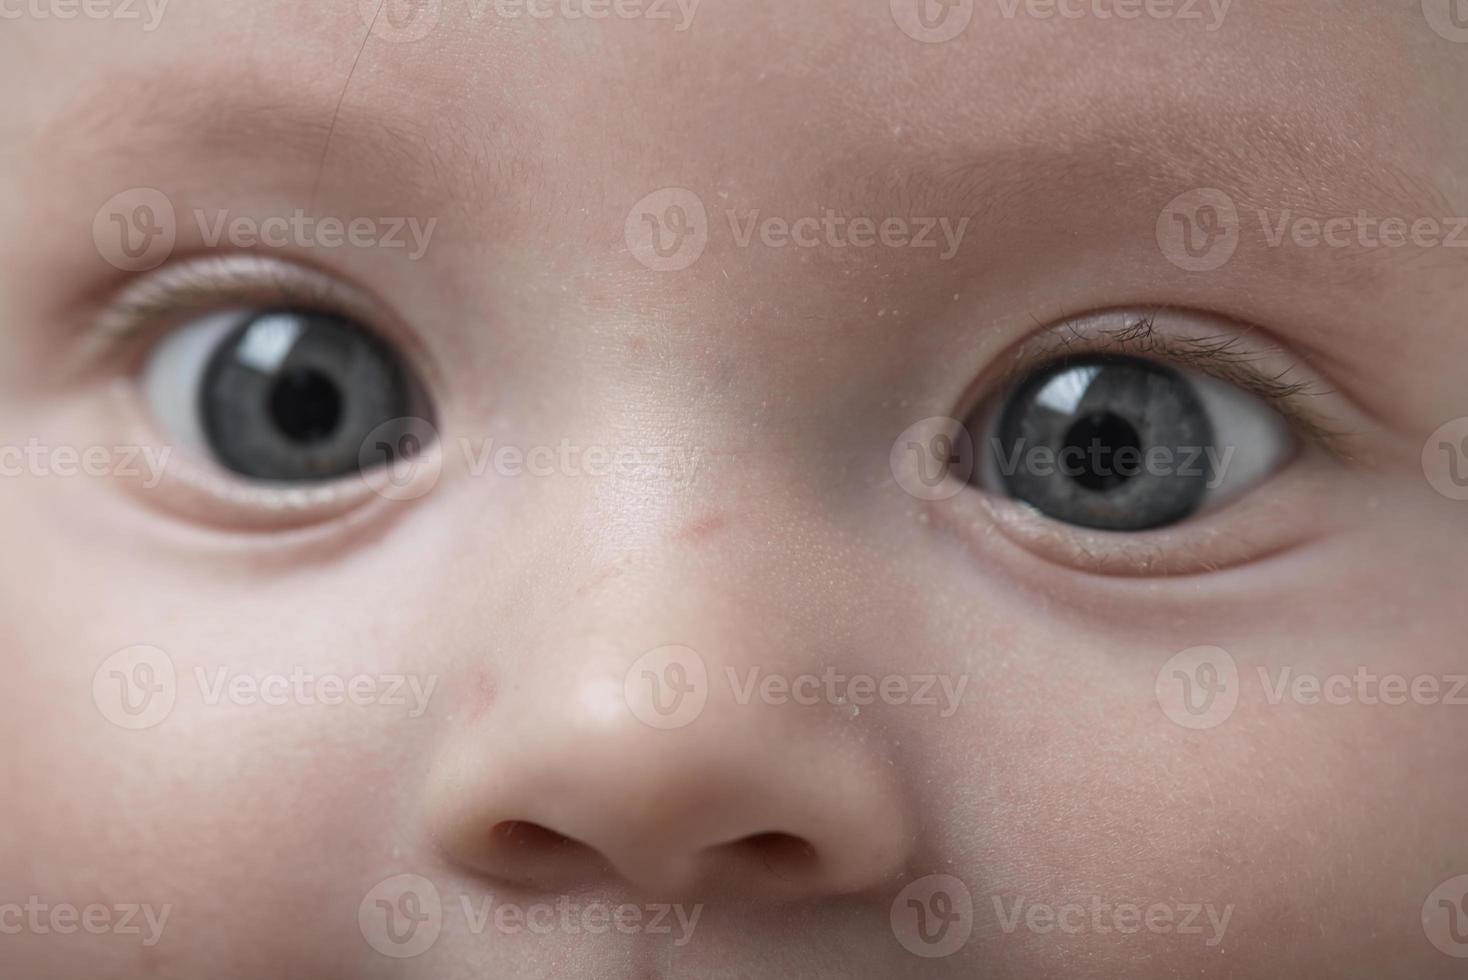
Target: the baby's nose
(674, 773)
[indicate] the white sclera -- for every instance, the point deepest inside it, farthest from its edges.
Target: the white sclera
(1260, 436)
(175, 370)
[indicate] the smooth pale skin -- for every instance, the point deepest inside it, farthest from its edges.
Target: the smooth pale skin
(1059, 779)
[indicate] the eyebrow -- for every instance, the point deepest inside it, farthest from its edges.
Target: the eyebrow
(1268, 164)
(165, 115)
(1262, 161)
(229, 121)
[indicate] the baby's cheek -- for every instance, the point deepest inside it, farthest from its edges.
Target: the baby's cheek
(1121, 809)
(187, 750)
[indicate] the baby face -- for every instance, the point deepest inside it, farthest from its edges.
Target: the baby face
(630, 488)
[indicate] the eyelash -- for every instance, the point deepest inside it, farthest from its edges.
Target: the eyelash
(1227, 357)
(148, 307)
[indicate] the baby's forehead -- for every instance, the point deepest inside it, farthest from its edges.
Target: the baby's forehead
(751, 78)
(477, 106)
(484, 98)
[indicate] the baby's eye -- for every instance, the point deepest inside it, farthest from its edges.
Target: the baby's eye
(1126, 444)
(281, 395)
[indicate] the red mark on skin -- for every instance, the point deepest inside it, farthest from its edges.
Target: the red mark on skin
(483, 693)
(150, 961)
(638, 346)
(703, 528)
(600, 579)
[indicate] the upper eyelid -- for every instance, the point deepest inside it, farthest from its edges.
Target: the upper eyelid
(1227, 356)
(192, 287)
(185, 288)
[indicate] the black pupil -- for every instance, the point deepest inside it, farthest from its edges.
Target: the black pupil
(1096, 439)
(305, 405)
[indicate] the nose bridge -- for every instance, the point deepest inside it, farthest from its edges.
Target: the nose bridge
(718, 544)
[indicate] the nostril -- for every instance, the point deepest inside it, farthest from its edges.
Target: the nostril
(783, 855)
(523, 834)
(533, 855)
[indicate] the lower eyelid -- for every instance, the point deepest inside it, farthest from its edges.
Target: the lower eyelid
(194, 488)
(1249, 531)
(1154, 555)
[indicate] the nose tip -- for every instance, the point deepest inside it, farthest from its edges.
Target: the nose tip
(747, 800)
